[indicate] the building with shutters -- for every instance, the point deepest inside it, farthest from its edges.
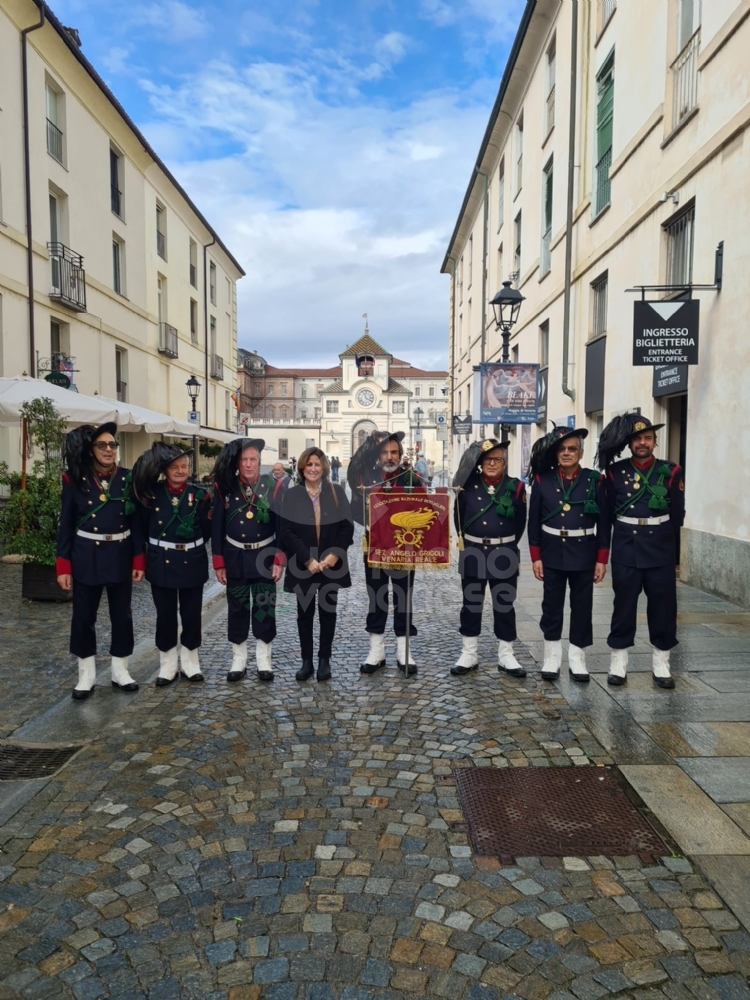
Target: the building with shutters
(651, 191)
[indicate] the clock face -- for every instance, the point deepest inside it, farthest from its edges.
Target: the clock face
(365, 397)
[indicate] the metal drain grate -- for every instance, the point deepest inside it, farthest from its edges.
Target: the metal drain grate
(552, 812)
(18, 763)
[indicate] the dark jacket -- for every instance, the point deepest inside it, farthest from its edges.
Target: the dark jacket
(299, 538)
(474, 514)
(644, 546)
(160, 520)
(574, 554)
(248, 522)
(90, 561)
(406, 479)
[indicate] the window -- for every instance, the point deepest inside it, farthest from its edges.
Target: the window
(212, 282)
(115, 181)
(544, 345)
(551, 69)
(461, 279)
(519, 153)
(227, 410)
(399, 406)
(257, 389)
(685, 66)
(545, 260)
(680, 234)
(121, 374)
(270, 413)
(284, 388)
(161, 299)
(283, 449)
(303, 413)
(514, 355)
(257, 413)
(161, 231)
(501, 194)
(606, 10)
(500, 264)
(418, 390)
(332, 406)
(284, 413)
(599, 293)
(605, 89)
(54, 337)
(193, 321)
(471, 258)
(55, 108)
(193, 263)
(270, 389)
(431, 391)
(543, 371)
(212, 335)
(303, 391)
(517, 251)
(118, 265)
(689, 21)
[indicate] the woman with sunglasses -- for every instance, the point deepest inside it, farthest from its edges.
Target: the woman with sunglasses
(99, 544)
(316, 531)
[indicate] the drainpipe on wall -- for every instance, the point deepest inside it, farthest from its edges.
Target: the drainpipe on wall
(486, 179)
(571, 189)
(27, 181)
(205, 317)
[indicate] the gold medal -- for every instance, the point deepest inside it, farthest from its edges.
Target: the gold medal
(636, 486)
(566, 506)
(102, 497)
(249, 515)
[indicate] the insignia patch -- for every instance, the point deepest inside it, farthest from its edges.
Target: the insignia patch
(488, 445)
(682, 484)
(639, 426)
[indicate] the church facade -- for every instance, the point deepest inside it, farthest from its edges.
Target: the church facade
(336, 408)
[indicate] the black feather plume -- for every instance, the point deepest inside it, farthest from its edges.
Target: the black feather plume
(225, 469)
(364, 464)
(78, 458)
(150, 466)
(468, 464)
(613, 439)
(541, 458)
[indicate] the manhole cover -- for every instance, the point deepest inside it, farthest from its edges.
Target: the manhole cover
(552, 812)
(18, 763)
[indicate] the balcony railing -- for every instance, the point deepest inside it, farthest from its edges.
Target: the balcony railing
(168, 340)
(193, 275)
(217, 367)
(68, 276)
(116, 200)
(122, 392)
(54, 141)
(603, 193)
(608, 9)
(161, 245)
(685, 80)
(551, 110)
(545, 259)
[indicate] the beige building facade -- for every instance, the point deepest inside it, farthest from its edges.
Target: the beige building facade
(639, 177)
(128, 289)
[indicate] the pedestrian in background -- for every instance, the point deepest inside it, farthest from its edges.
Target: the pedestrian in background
(175, 517)
(99, 544)
(569, 544)
(316, 531)
(335, 466)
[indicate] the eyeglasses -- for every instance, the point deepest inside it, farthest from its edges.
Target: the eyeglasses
(493, 461)
(107, 445)
(572, 447)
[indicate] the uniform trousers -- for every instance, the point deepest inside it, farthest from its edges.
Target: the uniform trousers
(251, 603)
(86, 600)
(502, 593)
(327, 596)
(581, 583)
(402, 584)
(191, 603)
(660, 586)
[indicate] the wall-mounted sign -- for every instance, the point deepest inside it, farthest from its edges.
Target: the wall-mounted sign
(666, 333)
(510, 393)
(194, 417)
(462, 425)
(58, 378)
(670, 379)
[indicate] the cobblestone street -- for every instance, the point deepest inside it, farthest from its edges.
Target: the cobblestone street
(233, 842)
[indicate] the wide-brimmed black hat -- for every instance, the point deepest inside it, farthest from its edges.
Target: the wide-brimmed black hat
(152, 464)
(257, 443)
(488, 445)
(110, 427)
(618, 433)
(472, 458)
(225, 469)
(544, 452)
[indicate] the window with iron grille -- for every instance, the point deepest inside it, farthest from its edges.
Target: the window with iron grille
(680, 234)
(599, 294)
(501, 195)
(545, 260)
(399, 406)
(551, 72)
(161, 231)
(544, 345)
(212, 282)
(115, 181)
(519, 153)
(193, 321)
(605, 87)
(117, 276)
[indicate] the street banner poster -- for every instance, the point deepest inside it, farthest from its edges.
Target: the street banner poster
(525, 450)
(666, 333)
(409, 530)
(510, 393)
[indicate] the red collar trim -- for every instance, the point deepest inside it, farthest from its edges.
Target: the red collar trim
(175, 490)
(561, 473)
(644, 465)
(491, 482)
(104, 473)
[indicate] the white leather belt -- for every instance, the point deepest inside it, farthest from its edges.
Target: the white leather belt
(490, 541)
(252, 545)
(179, 546)
(104, 538)
(569, 533)
(644, 520)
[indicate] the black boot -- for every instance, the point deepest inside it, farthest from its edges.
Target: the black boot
(306, 671)
(324, 668)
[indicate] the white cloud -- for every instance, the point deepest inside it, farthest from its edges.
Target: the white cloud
(177, 22)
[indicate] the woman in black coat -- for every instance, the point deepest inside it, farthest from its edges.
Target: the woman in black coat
(316, 531)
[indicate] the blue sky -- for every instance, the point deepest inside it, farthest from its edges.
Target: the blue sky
(329, 142)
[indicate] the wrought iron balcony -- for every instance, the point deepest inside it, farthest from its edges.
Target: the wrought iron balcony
(603, 191)
(54, 141)
(685, 80)
(161, 245)
(608, 9)
(545, 259)
(116, 200)
(168, 340)
(122, 392)
(551, 109)
(68, 276)
(193, 275)
(217, 367)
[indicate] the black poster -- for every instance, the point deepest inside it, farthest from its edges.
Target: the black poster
(666, 333)
(670, 379)
(594, 385)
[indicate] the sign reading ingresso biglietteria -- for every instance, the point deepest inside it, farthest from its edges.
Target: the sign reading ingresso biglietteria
(666, 333)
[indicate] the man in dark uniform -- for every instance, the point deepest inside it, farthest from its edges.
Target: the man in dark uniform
(377, 466)
(246, 557)
(176, 522)
(569, 544)
(490, 518)
(646, 507)
(99, 544)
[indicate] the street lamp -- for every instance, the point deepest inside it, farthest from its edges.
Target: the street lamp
(194, 388)
(506, 306)
(418, 413)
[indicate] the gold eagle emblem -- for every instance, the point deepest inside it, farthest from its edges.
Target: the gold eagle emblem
(411, 526)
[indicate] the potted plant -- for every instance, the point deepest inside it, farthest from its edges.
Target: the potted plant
(29, 516)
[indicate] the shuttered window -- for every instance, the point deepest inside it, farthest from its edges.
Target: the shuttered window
(605, 106)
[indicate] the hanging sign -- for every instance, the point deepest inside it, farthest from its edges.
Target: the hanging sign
(510, 393)
(666, 333)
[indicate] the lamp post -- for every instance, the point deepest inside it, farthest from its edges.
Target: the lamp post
(418, 413)
(506, 306)
(194, 388)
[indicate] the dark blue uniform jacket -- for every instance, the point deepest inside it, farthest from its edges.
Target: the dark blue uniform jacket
(644, 545)
(570, 554)
(93, 562)
(242, 519)
(177, 568)
(474, 514)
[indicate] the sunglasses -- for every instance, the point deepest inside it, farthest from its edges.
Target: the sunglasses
(107, 445)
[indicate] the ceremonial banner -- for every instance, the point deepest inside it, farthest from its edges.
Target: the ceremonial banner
(409, 530)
